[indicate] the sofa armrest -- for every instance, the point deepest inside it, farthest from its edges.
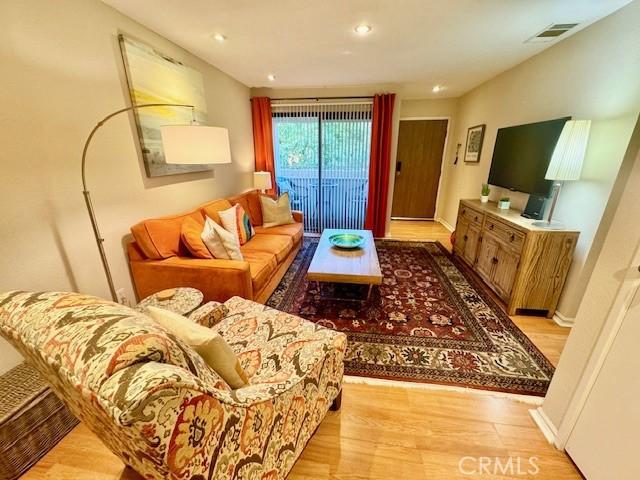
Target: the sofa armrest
(298, 216)
(209, 314)
(217, 279)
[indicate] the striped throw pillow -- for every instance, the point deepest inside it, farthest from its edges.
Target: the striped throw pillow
(236, 221)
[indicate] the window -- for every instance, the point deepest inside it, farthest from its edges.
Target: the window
(322, 159)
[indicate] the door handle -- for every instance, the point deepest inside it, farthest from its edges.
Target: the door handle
(398, 167)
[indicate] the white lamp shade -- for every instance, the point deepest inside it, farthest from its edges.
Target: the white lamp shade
(195, 144)
(567, 158)
(262, 180)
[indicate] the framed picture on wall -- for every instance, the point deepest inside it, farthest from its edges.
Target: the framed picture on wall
(475, 136)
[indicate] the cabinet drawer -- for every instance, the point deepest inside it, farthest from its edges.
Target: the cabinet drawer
(507, 234)
(472, 216)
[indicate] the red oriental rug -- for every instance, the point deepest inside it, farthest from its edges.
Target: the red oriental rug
(430, 321)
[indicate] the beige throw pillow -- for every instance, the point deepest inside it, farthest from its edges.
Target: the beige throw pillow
(276, 212)
(208, 344)
(221, 244)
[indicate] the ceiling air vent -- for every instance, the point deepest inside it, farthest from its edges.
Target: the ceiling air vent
(552, 32)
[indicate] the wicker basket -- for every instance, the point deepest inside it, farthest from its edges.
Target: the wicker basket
(32, 420)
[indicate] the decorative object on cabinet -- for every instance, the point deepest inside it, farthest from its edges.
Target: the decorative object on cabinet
(566, 163)
(475, 137)
(525, 265)
(535, 207)
(485, 193)
(154, 77)
(504, 203)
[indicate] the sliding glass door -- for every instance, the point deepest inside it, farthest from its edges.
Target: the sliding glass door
(322, 159)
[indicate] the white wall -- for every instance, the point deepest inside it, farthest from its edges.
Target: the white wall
(591, 75)
(61, 73)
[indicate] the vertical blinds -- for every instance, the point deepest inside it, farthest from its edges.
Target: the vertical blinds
(322, 152)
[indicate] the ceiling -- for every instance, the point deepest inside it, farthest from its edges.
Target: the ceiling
(311, 43)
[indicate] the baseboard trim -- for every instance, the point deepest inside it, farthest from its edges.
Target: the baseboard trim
(445, 224)
(563, 321)
(545, 425)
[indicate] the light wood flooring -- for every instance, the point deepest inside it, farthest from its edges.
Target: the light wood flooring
(388, 432)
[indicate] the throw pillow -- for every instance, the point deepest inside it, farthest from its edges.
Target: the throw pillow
(190, 233)
(276, 212)
(207, 343)
(236, 221)
(219, 242)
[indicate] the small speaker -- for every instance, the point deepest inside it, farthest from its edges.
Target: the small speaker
(535, 207)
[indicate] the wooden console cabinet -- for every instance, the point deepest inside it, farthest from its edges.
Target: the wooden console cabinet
(524, 265)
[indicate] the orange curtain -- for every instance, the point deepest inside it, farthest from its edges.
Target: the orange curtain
(263, 138)
(380, 163)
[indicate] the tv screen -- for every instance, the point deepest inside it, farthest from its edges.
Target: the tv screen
(522, 154)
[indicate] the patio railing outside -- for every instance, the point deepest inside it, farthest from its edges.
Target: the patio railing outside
(343, 196)
(322, 159)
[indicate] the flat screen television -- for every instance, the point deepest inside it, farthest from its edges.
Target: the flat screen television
(522, 154)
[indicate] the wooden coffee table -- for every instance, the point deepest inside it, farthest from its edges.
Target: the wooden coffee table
(337, 265)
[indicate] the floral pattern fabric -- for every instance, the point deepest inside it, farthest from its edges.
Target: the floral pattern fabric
(154, 402)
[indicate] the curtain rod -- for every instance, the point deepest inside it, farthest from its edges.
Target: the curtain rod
(368, 97)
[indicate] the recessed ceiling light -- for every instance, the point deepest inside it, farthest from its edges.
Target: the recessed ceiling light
(362, 29)
(219, 37)
(436, 89)
(271, 77)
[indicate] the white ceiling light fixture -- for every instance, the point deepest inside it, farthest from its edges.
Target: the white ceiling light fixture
(436, 88)
(362, 29)
(271, 77)
(219, 37)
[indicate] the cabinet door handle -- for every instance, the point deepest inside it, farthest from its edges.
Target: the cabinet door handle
(466, 237)
(513, 237)
(476, 218)
(494, 260)
(491, 226)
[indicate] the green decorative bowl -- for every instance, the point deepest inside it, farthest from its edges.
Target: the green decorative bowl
(346, 240)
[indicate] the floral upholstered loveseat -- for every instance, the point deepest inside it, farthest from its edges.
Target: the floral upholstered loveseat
(154, 402)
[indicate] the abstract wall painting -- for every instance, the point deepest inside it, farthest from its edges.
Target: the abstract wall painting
(154, 77)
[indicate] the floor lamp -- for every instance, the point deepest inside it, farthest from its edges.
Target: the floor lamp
(566, 163)
(182, 144)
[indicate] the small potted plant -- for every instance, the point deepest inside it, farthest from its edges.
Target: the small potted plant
(485, 193)
(504, 203)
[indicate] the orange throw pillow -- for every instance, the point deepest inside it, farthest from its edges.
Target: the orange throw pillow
(190, 234)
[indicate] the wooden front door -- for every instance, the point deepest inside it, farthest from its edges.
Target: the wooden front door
(418, 165)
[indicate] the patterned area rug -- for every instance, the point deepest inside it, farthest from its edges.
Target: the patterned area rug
(430, 321)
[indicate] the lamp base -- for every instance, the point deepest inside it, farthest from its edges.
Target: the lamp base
(552, 225)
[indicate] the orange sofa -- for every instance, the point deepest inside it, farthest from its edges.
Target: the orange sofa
(160, 260)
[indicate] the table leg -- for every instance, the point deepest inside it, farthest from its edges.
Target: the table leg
(369, 291)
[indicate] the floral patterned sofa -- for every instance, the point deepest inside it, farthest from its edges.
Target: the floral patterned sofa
(154, 402)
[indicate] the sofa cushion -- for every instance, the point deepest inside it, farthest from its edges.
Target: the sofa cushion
(160, 237)
(250, 201)
(261, 265)
(237, 221)
(276, 211)
(293, 230)
(190, 233)
(259, 335)
(211, 209)
(279, 245)
(209, 345)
